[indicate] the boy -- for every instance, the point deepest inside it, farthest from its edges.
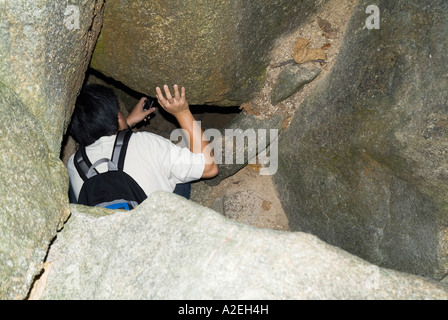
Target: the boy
(155, 163)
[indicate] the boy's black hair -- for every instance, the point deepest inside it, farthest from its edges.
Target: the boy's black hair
(95, 115)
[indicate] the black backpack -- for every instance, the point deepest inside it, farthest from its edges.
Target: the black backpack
(113, 189)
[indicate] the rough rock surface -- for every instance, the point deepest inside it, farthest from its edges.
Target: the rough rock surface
(363, 164)
(291, 80)
(171, 248)
(42, 65)
(33, 187)
(44, 53)
(244, 138)
(217, 49)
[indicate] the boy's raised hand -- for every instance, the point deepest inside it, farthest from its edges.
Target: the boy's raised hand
(174, 105)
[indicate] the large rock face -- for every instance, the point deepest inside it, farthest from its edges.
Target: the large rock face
(218, 49)
(364, 163)
(33, 186)
(171, 248)
(42, 67)
(45, 48)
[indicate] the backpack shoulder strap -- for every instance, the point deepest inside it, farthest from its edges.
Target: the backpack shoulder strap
(85, 168)
(83, 164)
(119, 152)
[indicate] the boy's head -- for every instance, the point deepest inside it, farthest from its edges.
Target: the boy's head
(95, 115)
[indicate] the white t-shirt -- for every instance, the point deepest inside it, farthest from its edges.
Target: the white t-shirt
(155, 163)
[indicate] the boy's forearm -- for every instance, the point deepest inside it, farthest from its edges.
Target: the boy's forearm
(188, 123)
(197, 144)
(179, 108)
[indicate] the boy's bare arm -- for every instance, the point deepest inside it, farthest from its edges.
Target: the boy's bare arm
(178, 106)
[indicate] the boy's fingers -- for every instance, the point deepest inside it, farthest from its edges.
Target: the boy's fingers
(142, 101)
(160, 93)
(168, 92)
(168, 100)
(176, 92)
(182, 94)
(160, 96)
